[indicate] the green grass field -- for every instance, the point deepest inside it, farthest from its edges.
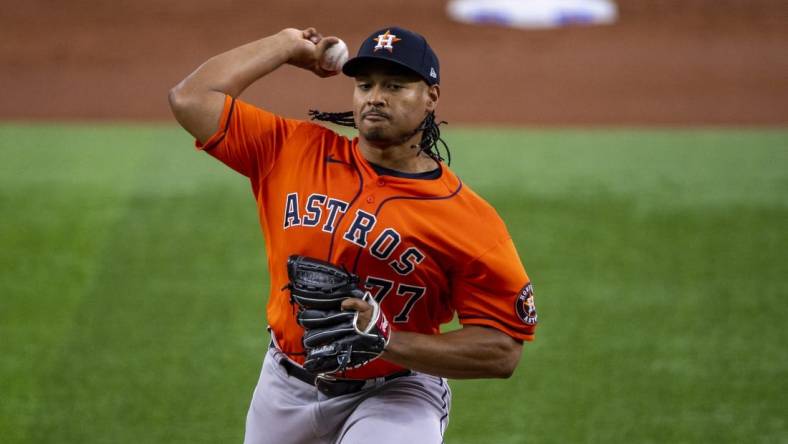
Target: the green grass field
(132, 275)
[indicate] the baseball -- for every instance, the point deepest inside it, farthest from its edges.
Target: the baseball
(335, 56)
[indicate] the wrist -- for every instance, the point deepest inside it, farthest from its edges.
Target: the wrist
(391, 352)
(294, 48)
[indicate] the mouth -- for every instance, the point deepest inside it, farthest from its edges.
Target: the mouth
(375, 116)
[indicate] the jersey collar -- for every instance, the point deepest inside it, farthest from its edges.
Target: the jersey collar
(445, 184)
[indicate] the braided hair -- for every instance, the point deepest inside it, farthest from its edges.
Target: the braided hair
(430, 131)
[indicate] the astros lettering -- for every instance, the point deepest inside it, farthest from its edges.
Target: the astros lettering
(381, 248)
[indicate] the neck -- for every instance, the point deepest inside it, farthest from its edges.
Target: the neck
(404, 157)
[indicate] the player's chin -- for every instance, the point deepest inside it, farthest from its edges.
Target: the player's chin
(375, 133)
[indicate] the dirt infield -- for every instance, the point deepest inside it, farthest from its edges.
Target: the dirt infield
(668, 62)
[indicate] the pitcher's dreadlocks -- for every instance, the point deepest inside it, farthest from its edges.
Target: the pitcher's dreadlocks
(344, 119)
(430, 136)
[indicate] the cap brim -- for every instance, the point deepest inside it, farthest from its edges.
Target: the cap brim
(352, 67)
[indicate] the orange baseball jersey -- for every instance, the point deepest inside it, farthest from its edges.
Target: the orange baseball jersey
(425, 245)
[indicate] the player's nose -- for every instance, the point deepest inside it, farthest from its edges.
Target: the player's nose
(376, 97)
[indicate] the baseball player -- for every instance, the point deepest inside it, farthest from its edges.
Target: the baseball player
(372, 244)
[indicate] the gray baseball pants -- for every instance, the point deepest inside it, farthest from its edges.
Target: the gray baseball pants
(284, 410)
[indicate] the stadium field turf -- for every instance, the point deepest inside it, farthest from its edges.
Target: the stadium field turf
(132, 282)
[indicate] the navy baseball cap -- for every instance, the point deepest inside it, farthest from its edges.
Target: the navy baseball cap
(399, 46)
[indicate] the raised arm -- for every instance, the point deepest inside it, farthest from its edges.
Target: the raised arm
(197, 101)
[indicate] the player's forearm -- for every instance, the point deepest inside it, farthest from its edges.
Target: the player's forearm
(472, 352)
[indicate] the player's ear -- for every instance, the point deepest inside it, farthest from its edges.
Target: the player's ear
(433, 95)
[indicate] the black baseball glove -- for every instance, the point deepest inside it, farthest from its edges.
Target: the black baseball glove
(332, 338)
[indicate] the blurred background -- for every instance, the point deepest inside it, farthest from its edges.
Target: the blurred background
(675, 62)
(637, 150)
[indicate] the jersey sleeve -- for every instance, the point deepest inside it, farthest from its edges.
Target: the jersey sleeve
(494, 291)
(249, 139)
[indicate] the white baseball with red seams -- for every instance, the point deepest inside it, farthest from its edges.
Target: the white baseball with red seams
(335, 56)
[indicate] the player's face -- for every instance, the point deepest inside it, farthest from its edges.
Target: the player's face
(389, 103)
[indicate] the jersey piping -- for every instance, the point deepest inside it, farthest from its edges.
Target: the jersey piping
(352, 201)
(388, 199)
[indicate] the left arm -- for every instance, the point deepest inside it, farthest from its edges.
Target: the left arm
(471, 352)
(468, 353)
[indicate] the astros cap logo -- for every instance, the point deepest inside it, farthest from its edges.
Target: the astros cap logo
(386, 41)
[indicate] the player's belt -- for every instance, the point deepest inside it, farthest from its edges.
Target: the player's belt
(331, 386)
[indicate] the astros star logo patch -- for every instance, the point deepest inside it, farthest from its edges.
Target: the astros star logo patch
(386, 41)
(525, 306)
